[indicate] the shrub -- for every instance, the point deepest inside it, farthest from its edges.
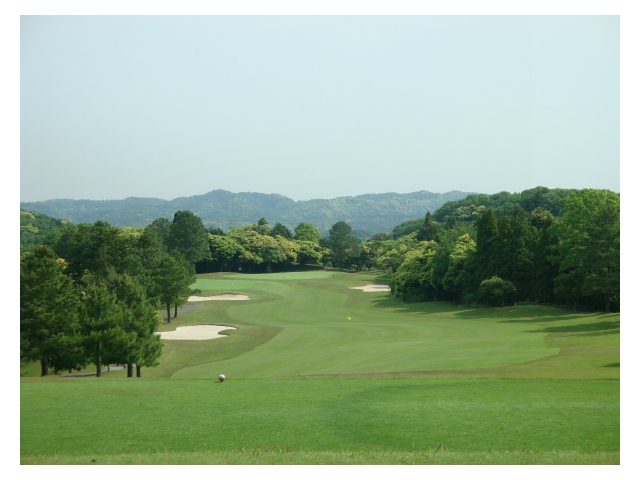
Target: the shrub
(494, 292)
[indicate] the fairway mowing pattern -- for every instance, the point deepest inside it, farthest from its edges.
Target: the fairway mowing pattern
(317, 337)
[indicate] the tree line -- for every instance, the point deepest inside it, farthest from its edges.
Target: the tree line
(259, 247)
(90, 293)
(491, 259)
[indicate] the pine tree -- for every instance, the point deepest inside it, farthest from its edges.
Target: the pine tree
(487, 231)
(50, 311)
(429, 229)
(104, 328)
(141, 319)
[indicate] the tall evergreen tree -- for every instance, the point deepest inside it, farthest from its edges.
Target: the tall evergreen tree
(172, 279)
(50, 312)
(103, 327)
(159, 230)
(486, 234)
(602, 260)
(140, 318)
(344, 246)
(189, 237)
(544, 269)
(520, 268)
(282, 230)
(429, 229)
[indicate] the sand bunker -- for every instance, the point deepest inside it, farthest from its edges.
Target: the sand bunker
(224, 296)
(372, 287)
(195, 332)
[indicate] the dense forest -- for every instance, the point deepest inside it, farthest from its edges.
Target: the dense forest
(34, 227)
(110, 281)
(367, 214)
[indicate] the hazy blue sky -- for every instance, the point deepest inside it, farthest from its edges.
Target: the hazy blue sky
(316, 106)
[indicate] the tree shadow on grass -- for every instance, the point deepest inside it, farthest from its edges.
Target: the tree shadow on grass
(534, 314)
(183, 309)
(531, 316)
(425, 308)
(612, 365)
(600, 328)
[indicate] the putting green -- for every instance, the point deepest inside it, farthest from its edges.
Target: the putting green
(319, 338)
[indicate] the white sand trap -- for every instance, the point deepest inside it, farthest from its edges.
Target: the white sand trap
(224, 296)
(195, 332)
(372, 287)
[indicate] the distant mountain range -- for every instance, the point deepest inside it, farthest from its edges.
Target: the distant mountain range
(367, 214)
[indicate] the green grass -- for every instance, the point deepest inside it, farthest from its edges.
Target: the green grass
(397, 384)
(329, 414)
(265, 456)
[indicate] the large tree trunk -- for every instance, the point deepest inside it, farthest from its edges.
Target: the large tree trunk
(168, 313)
(138, 374)
(607, 304)
(175, 312)
(129, 370)
(98, 363)
(44, 368)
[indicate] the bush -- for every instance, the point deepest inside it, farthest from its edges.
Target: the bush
(494, 292)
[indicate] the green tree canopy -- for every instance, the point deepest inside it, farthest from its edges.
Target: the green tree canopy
(412, 280)
(189, 237)
(495, 292)
(589, 230)
(105, 337)
(405, 228)
(280, 229)
(172, 277)
(459, 277)
(307, 232)
(429, 229)
(50, 312)
(344, 246)
(140, 318)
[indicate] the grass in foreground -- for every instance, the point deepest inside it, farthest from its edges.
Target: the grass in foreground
(319, 415)
(264, 456)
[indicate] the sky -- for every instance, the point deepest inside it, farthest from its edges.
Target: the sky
(316, 106)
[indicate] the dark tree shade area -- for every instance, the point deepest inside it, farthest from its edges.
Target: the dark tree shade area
(571, 258)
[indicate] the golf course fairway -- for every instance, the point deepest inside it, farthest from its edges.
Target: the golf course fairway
(317, 372)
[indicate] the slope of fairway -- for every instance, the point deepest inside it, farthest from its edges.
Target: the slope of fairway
(317, 336)
(318, 414)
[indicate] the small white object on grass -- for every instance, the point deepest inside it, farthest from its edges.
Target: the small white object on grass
(221, 377)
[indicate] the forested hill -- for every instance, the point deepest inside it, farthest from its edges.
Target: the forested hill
(503, 203)
(369, 213)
